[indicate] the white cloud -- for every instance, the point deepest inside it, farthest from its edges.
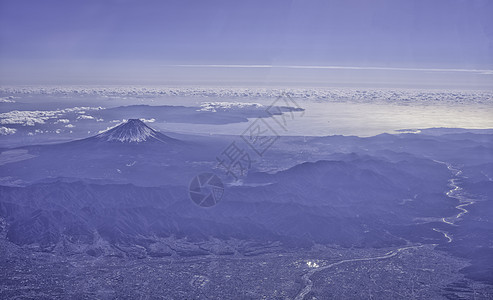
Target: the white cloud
(9, 99)
(232, 94)
(85, 117)
(152, 120)
(7, 131)
(33, 117)
(224, 106)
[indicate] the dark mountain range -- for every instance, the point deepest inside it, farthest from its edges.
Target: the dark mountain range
(346, 203)
(124, 192)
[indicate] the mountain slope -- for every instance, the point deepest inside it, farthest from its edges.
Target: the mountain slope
(133, 131)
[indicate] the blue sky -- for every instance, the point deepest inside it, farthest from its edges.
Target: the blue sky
(149, 41)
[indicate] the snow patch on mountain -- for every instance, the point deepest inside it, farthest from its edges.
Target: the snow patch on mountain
(131, 131)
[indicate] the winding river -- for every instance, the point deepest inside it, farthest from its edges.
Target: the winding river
(455, 193)
(309, 283)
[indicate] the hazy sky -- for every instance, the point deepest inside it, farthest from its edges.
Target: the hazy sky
(130, 41)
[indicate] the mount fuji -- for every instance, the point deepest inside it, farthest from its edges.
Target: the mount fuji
(133, 131)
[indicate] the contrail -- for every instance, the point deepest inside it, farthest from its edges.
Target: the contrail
(484, 72)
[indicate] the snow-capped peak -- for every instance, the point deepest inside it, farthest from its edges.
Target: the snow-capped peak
(132, 131)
